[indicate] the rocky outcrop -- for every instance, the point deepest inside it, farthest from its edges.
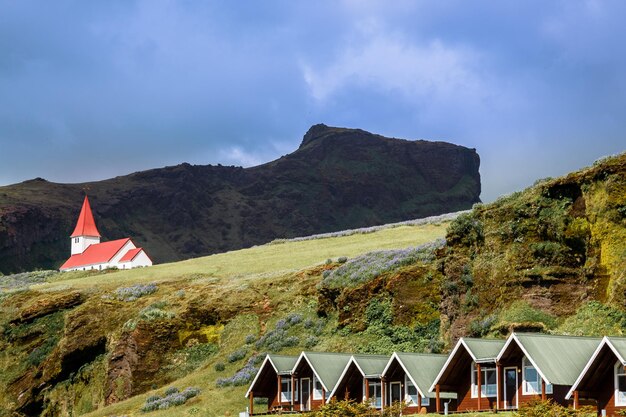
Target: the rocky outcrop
(337, 179)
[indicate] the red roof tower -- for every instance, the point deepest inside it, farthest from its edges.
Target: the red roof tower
(86, 226)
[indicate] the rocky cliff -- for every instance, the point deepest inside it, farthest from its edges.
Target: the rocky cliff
(337, 179)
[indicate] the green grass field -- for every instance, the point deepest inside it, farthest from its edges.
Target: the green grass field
(261, 261)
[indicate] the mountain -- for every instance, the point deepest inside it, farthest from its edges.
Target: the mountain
(337, 179)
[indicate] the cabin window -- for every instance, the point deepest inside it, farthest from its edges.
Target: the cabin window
(375, 394)
(317, 388)
(488, 382)
(76, 239)
(620, 385)
(531, 383)
(410, 392)
(285, 390)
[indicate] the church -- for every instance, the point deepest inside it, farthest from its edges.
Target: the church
(88, 253)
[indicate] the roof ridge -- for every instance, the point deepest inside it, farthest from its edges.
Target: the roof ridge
(566, 336)
(434, 355)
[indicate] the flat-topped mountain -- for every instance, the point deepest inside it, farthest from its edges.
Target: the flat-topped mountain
(337, 179)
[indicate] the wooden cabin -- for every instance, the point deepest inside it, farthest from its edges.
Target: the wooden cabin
(471, 364)
(408, 377)
(273, 381)
(360, 380)
(532, 366)
(603, 379)
(315, 375)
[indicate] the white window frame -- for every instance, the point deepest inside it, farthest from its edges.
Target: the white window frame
(483, 380)
(409, 399)
(317, 393)
(285, 395)
(528, 389)
(618, 370)
(376, 401)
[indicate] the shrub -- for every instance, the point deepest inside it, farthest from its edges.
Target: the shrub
(481, 326)
(538, 408)
(346, 408)
(366, 267)
(191, 392)
(310, 342)
(171, 397)
(134, 292)
(595, 319)
(294, 318)
(241, 377)
(220, 366)
(155, 313)
(250, 339)
(466, 230)
(237, 355)
(342, 259)
(520, 312)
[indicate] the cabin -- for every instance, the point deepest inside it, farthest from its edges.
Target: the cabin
(314, 377)
(532, 366)
(87, 252)
(273, 381)
(361, 380)
(602, 381)
(471, 364)
(408, 377)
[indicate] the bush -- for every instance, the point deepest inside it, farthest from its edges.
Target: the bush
(241, 377)
(310, 342)
(134, 292)
(219, 366)
(481, 326)
(466, 230)
(153, 312)
(366, 267)
(520, 312)
(538, 408)
(171, 397)
(237, 355)
(595, 319)
(342, 259)
(250, 339)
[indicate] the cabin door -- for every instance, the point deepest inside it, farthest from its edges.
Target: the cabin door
(305, 394)
(510, 388)
(395, 392)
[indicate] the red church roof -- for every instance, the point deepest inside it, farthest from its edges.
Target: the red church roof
(86, 226)
(95, 254)
(130, 255)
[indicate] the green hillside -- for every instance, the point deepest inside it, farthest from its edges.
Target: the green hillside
(551, 258)
(74, 333)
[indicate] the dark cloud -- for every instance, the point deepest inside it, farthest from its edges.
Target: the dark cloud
(90, 90)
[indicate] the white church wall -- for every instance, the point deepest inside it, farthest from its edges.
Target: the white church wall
(80, 243)
(141, 260)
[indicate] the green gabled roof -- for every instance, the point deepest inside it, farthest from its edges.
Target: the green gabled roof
(282, 363)
(619, 344)
(371, 365)
(484, 349)
(423, 368)
(328, 366)
(559, 359)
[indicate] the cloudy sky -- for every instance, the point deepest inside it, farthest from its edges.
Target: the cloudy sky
(94, 89)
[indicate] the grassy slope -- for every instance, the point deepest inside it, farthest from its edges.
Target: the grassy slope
(261, 261)
(269, 269)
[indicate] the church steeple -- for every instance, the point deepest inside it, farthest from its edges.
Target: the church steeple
(85, 233)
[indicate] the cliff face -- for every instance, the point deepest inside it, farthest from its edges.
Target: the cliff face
(337, 179)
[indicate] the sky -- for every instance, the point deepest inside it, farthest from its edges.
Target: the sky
(94, 89)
